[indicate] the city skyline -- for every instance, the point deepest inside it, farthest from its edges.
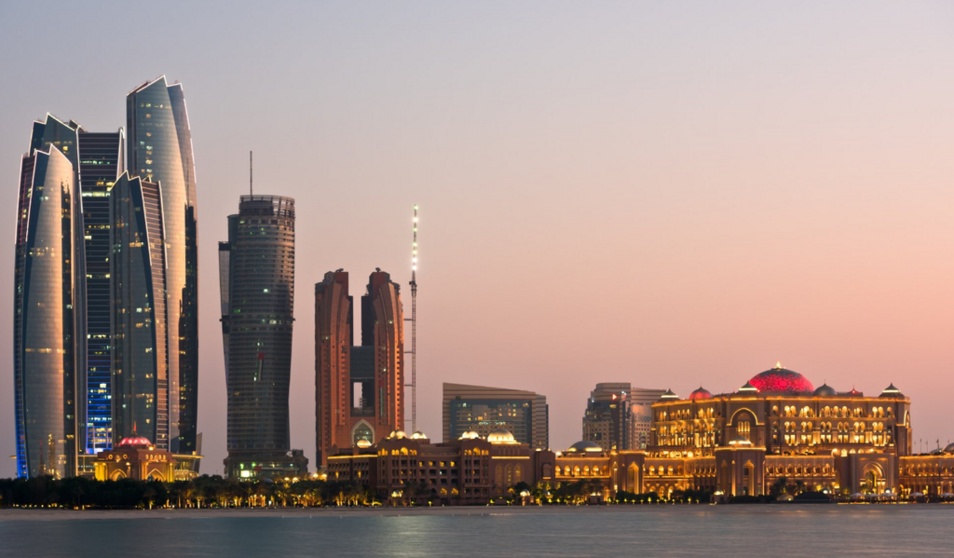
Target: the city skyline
(771, 183)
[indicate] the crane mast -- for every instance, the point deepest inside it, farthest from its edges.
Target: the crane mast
(413, 320)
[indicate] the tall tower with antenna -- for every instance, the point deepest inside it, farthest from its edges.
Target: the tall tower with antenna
(413, 320)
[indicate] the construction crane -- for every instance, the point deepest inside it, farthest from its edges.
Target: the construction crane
(413, 320)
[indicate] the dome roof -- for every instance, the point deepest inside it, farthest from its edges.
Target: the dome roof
(781, 380)
(891, 391)
(949, 448)
(469, 435)
(501, 437)
(747, 388)
(135, 441)
(669, 395)
(826, 391)
(397, 434)
(700, 393)
(418, 435)
(362, 443)
(585, 446)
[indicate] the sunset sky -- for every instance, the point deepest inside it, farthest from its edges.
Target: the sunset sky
(672, 194)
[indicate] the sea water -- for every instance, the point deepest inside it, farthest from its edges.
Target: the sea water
(740, 530)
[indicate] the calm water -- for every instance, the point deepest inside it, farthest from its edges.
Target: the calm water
(822, 531)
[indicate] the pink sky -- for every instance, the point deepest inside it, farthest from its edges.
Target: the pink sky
(667, 194)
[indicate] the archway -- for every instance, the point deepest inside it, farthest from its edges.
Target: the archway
(362, 431)
(748, 479)
(872, 479)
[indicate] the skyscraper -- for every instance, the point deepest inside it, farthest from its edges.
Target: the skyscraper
(100, 163)
(483, 410)
(257, 282)
(44, 297)
(140, 324)
(359, 389)
(160, 151)
(608, 419)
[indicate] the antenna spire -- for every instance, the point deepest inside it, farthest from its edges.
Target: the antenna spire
(250, 192)
(413, 320)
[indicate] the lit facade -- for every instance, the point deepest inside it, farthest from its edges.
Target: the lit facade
(402, 469)
(359, 389)
(140, 349)
(100, 164)
(608, 420)
(45, 288)
(775, 426)
(160, 151)
(486, 409)
(257, 281)
(139, 459)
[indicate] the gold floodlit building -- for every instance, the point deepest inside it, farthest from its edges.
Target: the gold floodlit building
(775, 430)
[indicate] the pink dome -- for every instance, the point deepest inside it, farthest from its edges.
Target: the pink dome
(135, 441)
(700, 393)
(781, 380)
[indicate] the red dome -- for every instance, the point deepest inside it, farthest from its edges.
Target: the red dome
(780, 380)
(135, 441)
(700, 393)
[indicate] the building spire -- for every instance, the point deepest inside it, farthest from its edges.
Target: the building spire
(250, 192)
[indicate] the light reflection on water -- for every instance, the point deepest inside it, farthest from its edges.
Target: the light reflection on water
(818, 530)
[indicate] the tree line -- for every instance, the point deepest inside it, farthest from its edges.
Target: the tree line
(214, 491)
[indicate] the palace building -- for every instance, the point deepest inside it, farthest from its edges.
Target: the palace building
(776, 427)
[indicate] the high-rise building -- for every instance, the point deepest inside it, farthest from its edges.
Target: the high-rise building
(484, 410)
(140, 328)
(45, 324)
(100, 163)
(257, 281)
(640, 404)
(160, 151)
(608, 420)
(359, 389)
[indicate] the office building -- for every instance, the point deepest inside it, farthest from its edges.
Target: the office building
(140, 313)
(486, 409)
(45, 323)
(257, 282)
(160, 151)
(608, 420)
(100, 163)
(359, 389)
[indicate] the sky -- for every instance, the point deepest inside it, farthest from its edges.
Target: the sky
(673, 194)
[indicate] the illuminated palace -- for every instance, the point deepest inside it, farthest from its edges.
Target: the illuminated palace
(776, 425)
(741, 443)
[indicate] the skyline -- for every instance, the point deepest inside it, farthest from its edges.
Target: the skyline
(636, 194)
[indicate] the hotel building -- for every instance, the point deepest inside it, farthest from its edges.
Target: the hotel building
(160, 151)
(359, 388)
(740, 443)
(483, 410)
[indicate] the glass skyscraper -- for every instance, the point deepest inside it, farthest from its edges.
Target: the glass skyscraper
(100, 162)
(160, 151)
(140, 332)
(257, 281)
(44, 320)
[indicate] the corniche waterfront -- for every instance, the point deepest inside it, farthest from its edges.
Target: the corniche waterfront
(673, 530)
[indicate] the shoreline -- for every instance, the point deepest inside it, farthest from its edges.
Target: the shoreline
(33, 514)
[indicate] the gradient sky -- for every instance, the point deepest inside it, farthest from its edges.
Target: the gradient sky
(666, 193)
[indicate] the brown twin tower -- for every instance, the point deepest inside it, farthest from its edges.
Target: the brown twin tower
(359, 388)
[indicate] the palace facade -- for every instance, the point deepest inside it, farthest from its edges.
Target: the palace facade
(776, 427)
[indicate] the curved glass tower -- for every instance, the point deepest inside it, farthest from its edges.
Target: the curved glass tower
(44, 320)
(140, 340)
(160, 151)
(257, 280)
